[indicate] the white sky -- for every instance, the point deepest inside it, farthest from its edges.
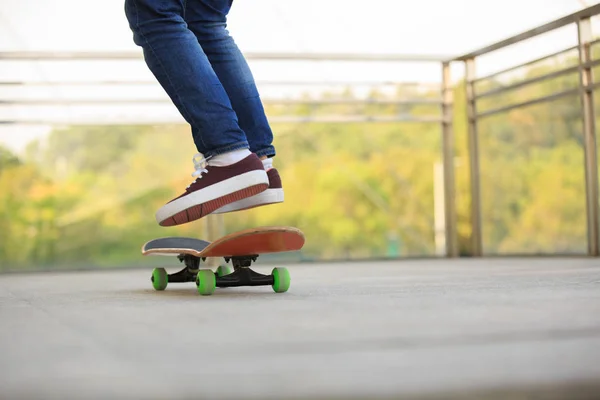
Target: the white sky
(446, 27)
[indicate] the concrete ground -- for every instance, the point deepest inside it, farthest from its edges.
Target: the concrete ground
(499, 328)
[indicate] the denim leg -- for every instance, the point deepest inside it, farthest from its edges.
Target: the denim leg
(207, 19)
(182, 68)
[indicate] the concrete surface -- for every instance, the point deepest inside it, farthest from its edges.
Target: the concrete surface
(500, 328)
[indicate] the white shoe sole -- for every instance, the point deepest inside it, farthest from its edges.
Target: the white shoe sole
(269, 196)
(210, 193)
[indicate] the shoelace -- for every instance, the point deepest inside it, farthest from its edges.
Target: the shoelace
(199, 166)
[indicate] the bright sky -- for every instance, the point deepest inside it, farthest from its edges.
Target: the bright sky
(446, 27)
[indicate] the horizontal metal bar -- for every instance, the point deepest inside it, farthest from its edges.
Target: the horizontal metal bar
(537, 60)
(129, 55)
(354, 119)
(74, 102)
(550, 26)
(536, 101)
(355, 101)
(528, 102)
(537, 79)
(347, 57)
(528, 63)
(270, 83)
(272, 120)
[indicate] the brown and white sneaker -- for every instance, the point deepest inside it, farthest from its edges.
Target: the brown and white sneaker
(274, 194)
(215, 187)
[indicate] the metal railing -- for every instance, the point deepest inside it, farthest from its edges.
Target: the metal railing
(129, 56)
(214, 223)
(581, 19)
(132, 56)
(585, 90)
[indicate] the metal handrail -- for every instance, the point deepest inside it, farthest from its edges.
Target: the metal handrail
(366, 101)
(258, 82)
(273, 120)
(137, 55)
(130, 55)
(548, 27)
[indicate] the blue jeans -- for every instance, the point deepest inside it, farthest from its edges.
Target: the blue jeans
(188, 49)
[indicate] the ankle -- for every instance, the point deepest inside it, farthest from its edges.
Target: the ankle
(222, 160)
(267, 163)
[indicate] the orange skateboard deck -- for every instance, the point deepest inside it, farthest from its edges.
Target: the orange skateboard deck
(253, 241)
(241, 248)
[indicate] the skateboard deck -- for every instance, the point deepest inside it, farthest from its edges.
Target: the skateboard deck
(241, 248)
(253, 241)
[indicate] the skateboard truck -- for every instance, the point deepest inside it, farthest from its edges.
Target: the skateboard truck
(242, 275)
(187, 274)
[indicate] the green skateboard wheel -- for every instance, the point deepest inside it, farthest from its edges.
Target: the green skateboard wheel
(281, 280)
(206, 282)
(160, 279)
(223, 270)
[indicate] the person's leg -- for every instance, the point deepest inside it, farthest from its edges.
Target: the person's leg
(182, 68)
(207, 19)
(177, 60)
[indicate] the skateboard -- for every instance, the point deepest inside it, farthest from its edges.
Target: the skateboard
(242, 248)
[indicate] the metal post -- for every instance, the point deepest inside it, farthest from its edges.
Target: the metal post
(220, 222)
(476, 236)
(213, 234)
(448, 157)
(584, 28)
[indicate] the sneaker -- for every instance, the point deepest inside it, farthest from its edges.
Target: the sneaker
(213, 188)
(274, 194)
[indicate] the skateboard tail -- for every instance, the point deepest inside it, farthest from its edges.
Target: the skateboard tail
(257, 243)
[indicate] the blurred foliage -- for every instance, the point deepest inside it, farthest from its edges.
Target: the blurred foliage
(86, 196)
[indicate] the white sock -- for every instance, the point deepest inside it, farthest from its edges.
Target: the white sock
(232, 157)
(268, 163)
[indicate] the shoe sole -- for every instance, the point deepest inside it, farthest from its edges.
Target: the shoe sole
(198, 204)
(269, 196)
